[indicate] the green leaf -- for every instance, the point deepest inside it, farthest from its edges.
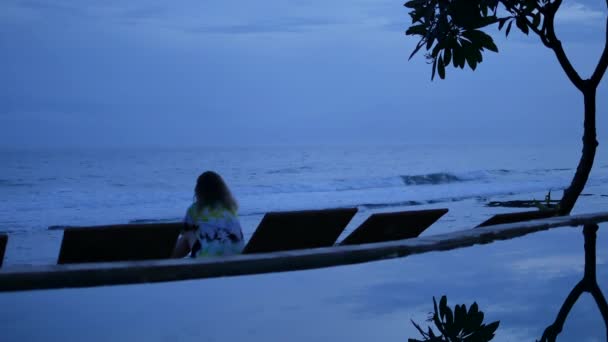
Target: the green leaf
(458, 57)
(501, 23)
(479, 56)
(441, 68)
(443, 302)
(485, 21)
(436, 50)
(473, 309)
(476, 319)
(486, 332)
(449, 318)
(536, 19)
(414, 3)
(451, 328)
(416, 29)
(508, 28)
(470, 54)
(460, 315)
(418, 328)
(434, 68)
(522, 25)
(416, 15)
(471, 35)
(491, 46)
(429, 42)
(492, 327)
(480, 38)
(438, 323)
(447, 56)
(468, 326)
(418, 47)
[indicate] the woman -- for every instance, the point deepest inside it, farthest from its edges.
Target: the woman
(212, 225)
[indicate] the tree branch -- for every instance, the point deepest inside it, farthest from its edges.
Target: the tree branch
(556, 5)
(549, 39)
(540, 33)
(557, 48)
(602, 65)
(566, 65)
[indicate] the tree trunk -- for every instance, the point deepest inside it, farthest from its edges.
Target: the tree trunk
(590, 144)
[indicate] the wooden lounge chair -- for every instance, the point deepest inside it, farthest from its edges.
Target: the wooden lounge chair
(517, 217)
(281, 231)
(126, 242)
(3, 240)
(393, 226)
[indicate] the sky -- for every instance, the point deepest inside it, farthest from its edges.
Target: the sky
(215, 72)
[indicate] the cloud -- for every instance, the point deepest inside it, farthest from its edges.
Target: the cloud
(49, 6)
(579, 13)
(149, 12)
(217, 17)
(292, 24)
(552, 266)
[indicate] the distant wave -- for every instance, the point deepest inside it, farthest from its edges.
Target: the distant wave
(165, 220)
(431, 201)
(333, 185)
(544, 171)
(289, 170)
(431, 179)
(415, 203)
(9, 183)
(173, 219)
(58, 227)
(360, 183)
(390, 204)
(92, 176)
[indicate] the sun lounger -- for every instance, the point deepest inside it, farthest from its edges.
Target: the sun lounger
(281, 231)
(517, 217)
(3, 240)
(393, 226)
(118, 242)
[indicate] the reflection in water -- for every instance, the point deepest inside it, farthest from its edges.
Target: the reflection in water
(587, 284)
(452, 328)
(456, 325)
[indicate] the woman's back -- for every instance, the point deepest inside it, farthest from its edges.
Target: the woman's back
(217, 230)
(214, 227)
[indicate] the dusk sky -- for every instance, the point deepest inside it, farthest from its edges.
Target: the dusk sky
(190, 73)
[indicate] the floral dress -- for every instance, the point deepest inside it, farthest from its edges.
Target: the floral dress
(217, 231)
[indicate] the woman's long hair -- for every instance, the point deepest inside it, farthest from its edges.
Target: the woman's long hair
(211, 191)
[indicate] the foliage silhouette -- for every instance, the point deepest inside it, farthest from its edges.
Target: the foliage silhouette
(450, 32)
(457, 325)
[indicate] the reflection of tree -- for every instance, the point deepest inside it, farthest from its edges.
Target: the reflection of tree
(456, 325)
(587, 284)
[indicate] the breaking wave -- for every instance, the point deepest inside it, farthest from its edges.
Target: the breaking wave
(432, 179)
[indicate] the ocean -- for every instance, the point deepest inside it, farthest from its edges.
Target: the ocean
(42, 191)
